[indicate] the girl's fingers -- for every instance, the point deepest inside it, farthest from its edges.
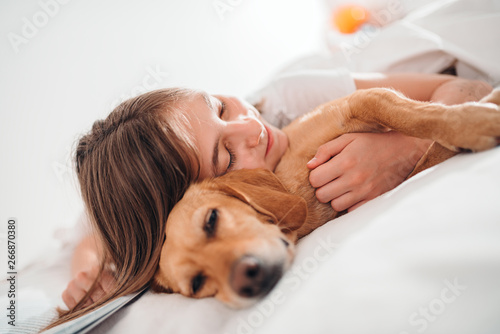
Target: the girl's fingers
(97, 294)
(107, 281)
(68, 299)
(346, 201)
(332, 190)
(84, 281)
(324, 174)
(73, 294)
(328, 150)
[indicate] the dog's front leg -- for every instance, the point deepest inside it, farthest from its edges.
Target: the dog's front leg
(471, 126)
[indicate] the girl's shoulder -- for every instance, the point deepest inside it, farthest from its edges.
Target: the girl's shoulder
(292, 94)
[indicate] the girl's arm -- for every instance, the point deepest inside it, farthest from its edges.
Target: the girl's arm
(446, 89)
(357, 167)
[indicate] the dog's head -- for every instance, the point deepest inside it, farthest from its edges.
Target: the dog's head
(230, 237)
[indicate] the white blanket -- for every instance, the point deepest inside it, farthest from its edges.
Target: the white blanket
(430, 38)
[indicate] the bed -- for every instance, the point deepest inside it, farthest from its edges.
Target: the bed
(422, 258)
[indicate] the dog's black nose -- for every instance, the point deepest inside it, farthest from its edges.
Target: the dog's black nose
(250, 278)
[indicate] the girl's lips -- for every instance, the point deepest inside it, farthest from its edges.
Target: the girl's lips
(270, 139)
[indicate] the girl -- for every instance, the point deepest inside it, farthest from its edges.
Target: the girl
(136, 164)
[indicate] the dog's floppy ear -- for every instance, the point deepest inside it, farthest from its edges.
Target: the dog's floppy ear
(158, 287)
(262, 190)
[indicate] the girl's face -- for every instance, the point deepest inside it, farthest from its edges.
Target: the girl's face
(230, 134)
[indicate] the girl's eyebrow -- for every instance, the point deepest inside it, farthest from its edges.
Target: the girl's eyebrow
(208, 102)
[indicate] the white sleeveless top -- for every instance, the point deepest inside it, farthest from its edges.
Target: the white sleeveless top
(291, 95)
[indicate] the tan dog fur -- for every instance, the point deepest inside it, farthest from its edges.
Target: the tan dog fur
(261, 214)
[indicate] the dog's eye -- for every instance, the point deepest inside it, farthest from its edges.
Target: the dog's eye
(211, 222)
(197, 283)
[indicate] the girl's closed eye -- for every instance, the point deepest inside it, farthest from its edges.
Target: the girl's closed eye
(232, 156)
(232, 159)
(222, 108)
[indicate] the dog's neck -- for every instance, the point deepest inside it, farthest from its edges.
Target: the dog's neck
(294, 174)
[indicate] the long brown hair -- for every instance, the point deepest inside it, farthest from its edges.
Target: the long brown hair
(132, 168)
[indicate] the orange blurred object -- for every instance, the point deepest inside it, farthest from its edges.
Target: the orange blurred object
(348, 18)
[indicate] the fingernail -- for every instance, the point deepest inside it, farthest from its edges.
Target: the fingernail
(312, 160)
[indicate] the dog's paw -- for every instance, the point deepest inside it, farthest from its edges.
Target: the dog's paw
(472, 126)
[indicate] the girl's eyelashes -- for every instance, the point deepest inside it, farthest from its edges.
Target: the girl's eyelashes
(232, 156)
(222, 108)
(232, 159)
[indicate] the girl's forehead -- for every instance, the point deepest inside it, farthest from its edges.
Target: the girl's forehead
(191, 103)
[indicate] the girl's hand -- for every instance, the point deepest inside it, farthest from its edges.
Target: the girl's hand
(357, 167)
(78, 287)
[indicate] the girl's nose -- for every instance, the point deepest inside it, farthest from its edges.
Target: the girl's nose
(246, 131)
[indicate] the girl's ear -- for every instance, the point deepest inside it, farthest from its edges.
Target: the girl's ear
(263, 191)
